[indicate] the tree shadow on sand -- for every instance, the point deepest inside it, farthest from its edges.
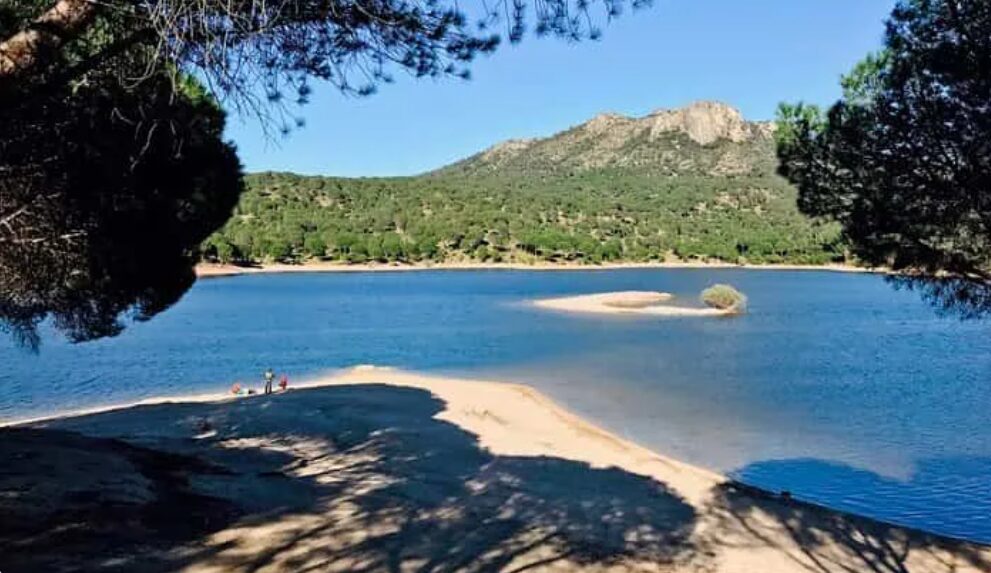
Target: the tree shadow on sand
(348, 478)
(821, 540)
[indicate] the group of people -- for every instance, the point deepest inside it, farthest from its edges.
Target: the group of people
(269, 377)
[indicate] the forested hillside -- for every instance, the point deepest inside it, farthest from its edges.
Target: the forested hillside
(696, 183)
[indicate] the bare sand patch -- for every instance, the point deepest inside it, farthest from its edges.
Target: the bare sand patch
(627, 302)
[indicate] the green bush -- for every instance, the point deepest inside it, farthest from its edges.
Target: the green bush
(724, 297)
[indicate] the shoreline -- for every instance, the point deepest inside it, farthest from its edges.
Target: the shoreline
(368, 374)
(207, 270)
(737, 528)
(373, 374)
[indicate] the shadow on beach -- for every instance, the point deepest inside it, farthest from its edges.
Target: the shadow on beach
(951, 495)
(356, 478)
(366, 478)
(821, 540)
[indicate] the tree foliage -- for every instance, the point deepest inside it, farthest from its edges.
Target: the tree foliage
(587, 217)
(903, 160)
(96, 226)
(105, 195)
(253, 53)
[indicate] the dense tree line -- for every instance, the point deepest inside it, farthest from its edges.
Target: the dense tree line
(591, 217)
(903, 160)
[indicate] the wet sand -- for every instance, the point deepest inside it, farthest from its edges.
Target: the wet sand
(374, 469)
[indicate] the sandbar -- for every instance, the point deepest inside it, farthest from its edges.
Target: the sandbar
(374, 469)
(648, 303)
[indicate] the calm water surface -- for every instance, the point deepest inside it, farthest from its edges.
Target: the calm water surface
(834, 386)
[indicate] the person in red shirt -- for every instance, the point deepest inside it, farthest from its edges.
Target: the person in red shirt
(283, 382)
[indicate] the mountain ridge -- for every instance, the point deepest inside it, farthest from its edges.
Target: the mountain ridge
(716, 136)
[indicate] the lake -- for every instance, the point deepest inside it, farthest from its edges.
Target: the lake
(834, 386)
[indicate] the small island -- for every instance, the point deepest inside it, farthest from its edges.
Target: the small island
(724, 297)
(630, 302)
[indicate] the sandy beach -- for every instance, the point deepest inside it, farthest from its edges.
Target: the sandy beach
(218, 270)
(644, 303)
(373, 469)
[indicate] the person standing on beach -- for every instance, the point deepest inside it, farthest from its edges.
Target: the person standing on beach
(269, 377)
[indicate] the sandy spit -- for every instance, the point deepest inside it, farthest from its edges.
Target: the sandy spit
(374, 469)
(626, 302)
(217, 270)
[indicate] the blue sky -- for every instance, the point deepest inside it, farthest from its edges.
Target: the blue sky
(750, 54)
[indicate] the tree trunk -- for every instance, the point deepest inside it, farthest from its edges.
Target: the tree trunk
(43, 37)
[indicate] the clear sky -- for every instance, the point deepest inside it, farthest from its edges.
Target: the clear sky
(751, 54)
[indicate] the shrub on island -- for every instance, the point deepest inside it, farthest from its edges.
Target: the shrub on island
(724, 297)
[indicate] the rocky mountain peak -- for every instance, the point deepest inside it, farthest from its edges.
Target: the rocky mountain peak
(705, 137)
(705, 122)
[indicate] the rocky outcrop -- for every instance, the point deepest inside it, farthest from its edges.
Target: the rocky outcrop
(705, 122)
(703, 138)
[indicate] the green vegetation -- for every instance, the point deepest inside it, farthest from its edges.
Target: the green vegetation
(724, 297)
(107, 186)
(612, 189)
(588, 217)
(902, 161)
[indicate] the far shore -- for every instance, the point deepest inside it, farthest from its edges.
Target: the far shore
(222, 270)
(376, 469)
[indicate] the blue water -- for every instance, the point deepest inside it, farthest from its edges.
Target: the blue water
(833, 386)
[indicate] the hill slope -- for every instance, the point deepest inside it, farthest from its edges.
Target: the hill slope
(703, 139)
(696, 182)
